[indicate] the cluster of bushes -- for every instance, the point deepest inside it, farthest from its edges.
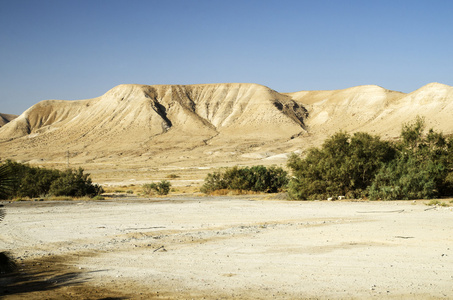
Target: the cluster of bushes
(417, 166)
(22, 180)
(160, 188)
(256, 178)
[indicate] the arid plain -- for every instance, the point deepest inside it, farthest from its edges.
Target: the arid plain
(189, 245)
(247, 247)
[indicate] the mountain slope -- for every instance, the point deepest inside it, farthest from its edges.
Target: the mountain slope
(211, 124)
(350, 109)
(138, 119)
(376, 110)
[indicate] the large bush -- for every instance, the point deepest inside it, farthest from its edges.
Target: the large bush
(27, 181)
(74, 183)
(418, 166)
(343, 165)
(256, 178)
(423, 167)
(37, 181)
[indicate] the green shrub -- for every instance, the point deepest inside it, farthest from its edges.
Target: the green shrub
(161, 188)
(213, 181)
(74, 183)
(35, 182)
(406, 178)
(343, 165)
(256, 178)
(418, 166)
(421, 170)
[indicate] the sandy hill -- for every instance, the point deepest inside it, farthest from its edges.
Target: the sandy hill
(210, 124)
(159, 123)
(6, 118)
(376, 110)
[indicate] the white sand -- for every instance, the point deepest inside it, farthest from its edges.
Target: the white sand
(244, 248)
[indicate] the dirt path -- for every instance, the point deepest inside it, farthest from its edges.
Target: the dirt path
(228, 248)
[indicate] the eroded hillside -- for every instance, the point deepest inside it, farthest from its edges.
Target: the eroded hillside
(210, 124)
(376, 110)
(155, 123)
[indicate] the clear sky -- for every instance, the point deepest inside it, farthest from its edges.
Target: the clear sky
(61, 49)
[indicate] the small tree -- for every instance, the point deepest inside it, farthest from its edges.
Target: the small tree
(75, 183)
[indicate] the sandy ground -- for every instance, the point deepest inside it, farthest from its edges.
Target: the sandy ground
(248, 247)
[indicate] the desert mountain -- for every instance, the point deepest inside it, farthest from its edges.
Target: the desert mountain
(377, 110)
(6, 118)
(208, 124)
(151, 121)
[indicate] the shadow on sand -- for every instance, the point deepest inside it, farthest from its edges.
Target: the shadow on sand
(49, 278)
(24, 282)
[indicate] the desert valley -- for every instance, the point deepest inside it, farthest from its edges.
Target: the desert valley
(142, 128)
(188, 245)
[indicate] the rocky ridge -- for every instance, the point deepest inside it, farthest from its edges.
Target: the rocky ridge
(208, 124)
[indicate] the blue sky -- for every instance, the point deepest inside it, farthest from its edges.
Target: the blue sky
(61, 49)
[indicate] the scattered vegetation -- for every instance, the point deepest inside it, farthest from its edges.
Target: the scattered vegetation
(160, 188)
(435, 202)
(26, 181)
(256, 178)
(417, 166)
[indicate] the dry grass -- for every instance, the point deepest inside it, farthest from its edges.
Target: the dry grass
(435, 202)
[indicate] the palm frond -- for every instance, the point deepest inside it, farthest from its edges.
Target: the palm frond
(7, 264)
(7, 180)
(2, 214)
